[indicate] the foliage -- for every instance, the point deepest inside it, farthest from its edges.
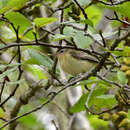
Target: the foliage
(31, 32)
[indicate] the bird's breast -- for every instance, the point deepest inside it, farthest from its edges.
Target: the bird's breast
(74, 66)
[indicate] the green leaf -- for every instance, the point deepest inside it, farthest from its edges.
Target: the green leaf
(81, 40)
(127, 51)
(37, 72)
(94, 81)
(37, 58)
(97, 92)
(15, 82)
(13, 5)
(18, 20)
(40, 22)
(87, 21)
(78, 36)
(4, 2)
(30, 121)
(69, 31)
(121, 53)
(129, 114)
(97, 123)
(123, 9)
(58, 37)
(80, 104)
(122, 77)
(7, 72)
(107, 101)
(105, 96)
(84, 2)
(2, 67)
(94, 14)
(7, 35)
(106, 35)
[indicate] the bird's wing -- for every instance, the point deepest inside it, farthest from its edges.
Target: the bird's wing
(83, 56)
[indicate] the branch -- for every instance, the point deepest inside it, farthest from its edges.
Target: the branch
(24, 99)
(19, 61)
(117, 19)
(84, 13)
(91, 52)
(115, 3)
(31, 3)
(108, 81)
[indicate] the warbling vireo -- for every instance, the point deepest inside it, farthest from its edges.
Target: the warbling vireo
(75, 62)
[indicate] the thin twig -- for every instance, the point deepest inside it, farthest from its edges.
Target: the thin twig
(108, 81)
(115, 3)
(89, 96)
(84, 13)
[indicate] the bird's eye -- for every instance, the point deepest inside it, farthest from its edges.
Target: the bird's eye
(61, 51)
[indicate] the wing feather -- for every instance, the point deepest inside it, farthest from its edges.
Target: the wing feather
(83, 56)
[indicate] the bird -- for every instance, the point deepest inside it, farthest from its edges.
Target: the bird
(75, 62)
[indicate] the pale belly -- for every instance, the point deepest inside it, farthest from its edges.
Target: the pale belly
(74, 67)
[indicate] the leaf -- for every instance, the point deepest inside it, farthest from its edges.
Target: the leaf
(4, 2)
(125, 52)
(87, 21)
(98, 123)
(69, 31)
(124, 8)
(7, 72)
(13, 5)
(107, 101)
(105, 96)
(15, 82)
(97, 92)
(58, 37)
(84, 2)
(78, 36)
(94, 81)
(40, 22)
(37, 58)
(7, 34)
(37, 72)
(18, 20)
(122, 77)
(106, 35)
(94, 14)
(80, 104)
(129, 114)
(2, 67)
(81, 40)
(31, 120)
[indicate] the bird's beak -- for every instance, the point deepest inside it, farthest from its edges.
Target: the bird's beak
(56, 54)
